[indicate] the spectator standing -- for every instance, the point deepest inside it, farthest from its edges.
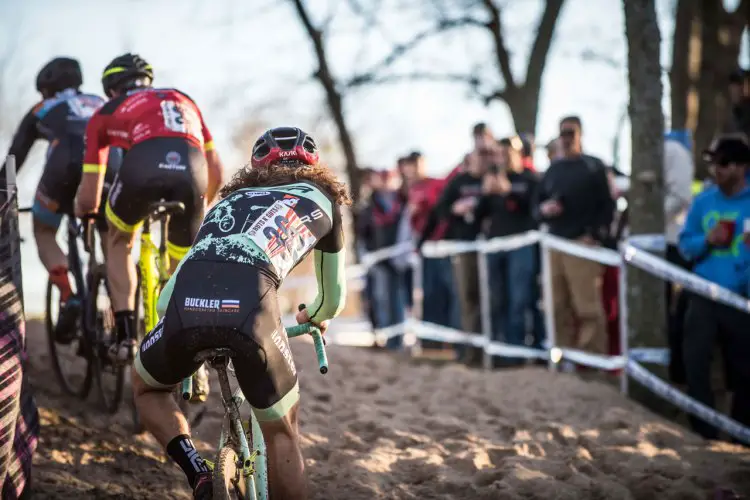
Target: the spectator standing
(381, 221)
(509, 190)
(576, 203)
(715, 237)
(678, 194)
(440, 301)
(457, 205)
(527, 151)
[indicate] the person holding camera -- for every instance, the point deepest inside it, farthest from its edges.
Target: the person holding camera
(575, 201)
(716, 238)
(505, 210)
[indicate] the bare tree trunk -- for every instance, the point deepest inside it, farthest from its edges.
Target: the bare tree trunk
(721, 35)
(645, 293)
(680, 78)
(523, 99)
(333, 97)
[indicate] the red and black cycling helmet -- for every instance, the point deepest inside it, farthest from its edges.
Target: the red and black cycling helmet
(59, 74)
(288, 146)
(126, 72)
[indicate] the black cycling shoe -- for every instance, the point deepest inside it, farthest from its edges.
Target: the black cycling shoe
(66, 328)
(204, 487)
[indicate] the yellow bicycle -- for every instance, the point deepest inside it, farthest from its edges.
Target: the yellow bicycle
(153, 274)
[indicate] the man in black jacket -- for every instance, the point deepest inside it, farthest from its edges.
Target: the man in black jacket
(506, 209)
(576, 203)
(457, 205)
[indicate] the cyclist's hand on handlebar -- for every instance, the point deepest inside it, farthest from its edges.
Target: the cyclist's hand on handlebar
(304, 317)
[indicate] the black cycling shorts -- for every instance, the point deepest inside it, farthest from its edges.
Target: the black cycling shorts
(169, 168)
(224, 304)
(60, 179)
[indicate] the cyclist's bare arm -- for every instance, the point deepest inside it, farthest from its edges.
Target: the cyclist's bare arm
(215, 175)
(95, 158)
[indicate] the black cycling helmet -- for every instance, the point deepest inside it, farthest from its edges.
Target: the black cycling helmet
(126, 72)
(59, 74)
(285, 145)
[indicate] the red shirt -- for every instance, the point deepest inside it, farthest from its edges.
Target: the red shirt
(138, 116)
(423, 197)
(528, 163)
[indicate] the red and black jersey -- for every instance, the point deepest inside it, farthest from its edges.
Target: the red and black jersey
(139, 115)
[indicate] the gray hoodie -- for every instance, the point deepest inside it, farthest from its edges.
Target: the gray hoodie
(678, 179)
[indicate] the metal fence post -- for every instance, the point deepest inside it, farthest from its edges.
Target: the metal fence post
(622, 279)
(484, 302)
(549, 308)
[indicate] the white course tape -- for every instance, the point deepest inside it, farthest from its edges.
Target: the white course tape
(602, 255)
(693, 282)
(649, 242)
(688, 404)
(508, 243)
(591, 360)
(446, 248)
(651, 355)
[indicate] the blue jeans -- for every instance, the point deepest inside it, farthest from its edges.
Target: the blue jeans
(440, 304)
(514, 292)
(388, 300)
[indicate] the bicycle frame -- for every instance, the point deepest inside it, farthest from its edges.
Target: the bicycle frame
(254, 468)
(153, 263)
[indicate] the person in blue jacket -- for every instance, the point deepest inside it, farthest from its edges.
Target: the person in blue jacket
(716, 237)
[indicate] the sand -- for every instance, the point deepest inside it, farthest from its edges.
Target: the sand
(378, 426)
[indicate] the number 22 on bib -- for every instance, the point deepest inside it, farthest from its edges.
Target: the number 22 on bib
(283, 237)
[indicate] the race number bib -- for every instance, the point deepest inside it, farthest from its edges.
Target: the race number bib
(83, 106)
(282, 235)
(178, 118)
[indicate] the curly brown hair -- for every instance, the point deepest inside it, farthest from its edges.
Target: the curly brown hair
(279, 175)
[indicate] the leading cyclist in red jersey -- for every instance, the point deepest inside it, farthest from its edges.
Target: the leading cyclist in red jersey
(169, 154)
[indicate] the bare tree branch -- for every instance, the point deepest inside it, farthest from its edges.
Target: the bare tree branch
(542, 43)
(498, 39)
(403, 49)
(333, 95)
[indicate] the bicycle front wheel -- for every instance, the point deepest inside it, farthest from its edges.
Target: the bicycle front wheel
(228, 481)
(110, 377)
(70, 362)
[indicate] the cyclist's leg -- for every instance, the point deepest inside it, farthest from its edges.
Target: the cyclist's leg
(134, 189)
(272, 390)
(54, 197)
(187, 183)
(163, 360)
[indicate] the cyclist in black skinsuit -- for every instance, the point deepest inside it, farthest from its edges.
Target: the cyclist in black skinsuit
(60, 118)
(273, 213)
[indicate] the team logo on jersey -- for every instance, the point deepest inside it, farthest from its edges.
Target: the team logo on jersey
(253, 194)
(173, 162)
(290, 201)
(200, 304)
(283, 347)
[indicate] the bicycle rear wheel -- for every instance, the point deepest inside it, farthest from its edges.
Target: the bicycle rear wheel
(228, 481)
(70, 362)
(110, 377)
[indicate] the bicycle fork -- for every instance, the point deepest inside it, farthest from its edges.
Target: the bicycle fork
(232, 428)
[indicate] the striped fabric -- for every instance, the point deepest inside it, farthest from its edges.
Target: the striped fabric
(19, 419)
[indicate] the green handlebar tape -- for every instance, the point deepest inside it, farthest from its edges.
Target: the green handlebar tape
(187, 388)
(320, 350)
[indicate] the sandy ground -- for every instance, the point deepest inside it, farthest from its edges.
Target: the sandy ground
(381, 427)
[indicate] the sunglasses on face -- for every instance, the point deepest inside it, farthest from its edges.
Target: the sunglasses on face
(567, 132)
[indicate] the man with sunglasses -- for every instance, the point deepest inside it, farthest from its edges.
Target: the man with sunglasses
(715, 238)
(575, 201)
